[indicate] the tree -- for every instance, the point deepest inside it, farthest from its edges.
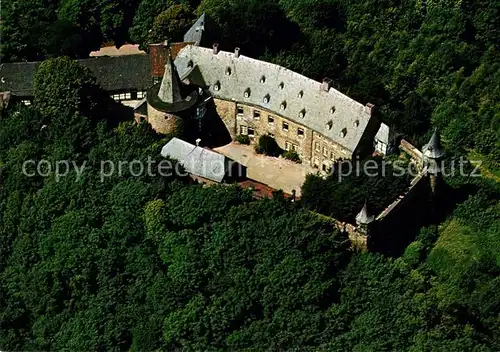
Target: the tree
(255, 26)
(143, 20)
(171, 24)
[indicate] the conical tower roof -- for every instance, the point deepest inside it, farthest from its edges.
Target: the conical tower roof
(433, 149)
(364, 217)
(170, 89)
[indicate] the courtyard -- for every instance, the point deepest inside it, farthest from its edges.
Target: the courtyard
(278, 173)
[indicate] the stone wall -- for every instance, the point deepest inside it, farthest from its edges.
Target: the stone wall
(227, 112)
(325, 152)
(255, 122)
(163, 122)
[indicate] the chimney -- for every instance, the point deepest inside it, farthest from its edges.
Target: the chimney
(236, 52)
(370, 108)
(198, 141)
(216, 48)
(327, 84)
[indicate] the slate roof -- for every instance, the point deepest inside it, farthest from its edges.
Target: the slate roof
(196, 160)
(364, 217)
(433, 149)
(113, 73)
(170, 88)
(202, 31)
(121, 72)
(18, 77)
(233, 76)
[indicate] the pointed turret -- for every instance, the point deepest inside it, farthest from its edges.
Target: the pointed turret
(433, 149)
(364, 217)
(170, 89)
(433, 152)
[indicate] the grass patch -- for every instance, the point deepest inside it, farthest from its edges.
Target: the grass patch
(455, 248)
(487, 167)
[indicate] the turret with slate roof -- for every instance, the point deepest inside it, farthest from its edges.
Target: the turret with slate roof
(433, 149)
(433, 153)
(170, 89)
(364, 219)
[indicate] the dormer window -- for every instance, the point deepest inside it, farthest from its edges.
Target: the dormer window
(301, 94)
(283, 105)
(356, 123)
(246, 94)
(267, 98)
(332, 109)
(329, 125)
(262, 79)
(282, 85)
(343, 132)
(228, 71)
(217, 86)
(190, 63)
(302, 113)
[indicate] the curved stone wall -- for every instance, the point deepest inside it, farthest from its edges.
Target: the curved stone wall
(163, 122)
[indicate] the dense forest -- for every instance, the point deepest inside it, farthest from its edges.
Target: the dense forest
(159, 263)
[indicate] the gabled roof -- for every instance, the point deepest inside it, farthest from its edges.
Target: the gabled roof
(433, 149)
(17, 77)
(113, 73)
(242, 79)
(195, 33)
(196, 160)
(170, 88)
(364, 217)
(201, 31)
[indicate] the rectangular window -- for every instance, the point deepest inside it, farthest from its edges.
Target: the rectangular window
(244, 130)
(285, 127)
(128, 95)
(140, 95)
(240, 110)
(256, 115)
(316, 162)
(332, 156)
(317, 147)
(288, 146)
(251, 132)
(295, 147)
(325, 152)
(300, 132)
(270, 120)
(325, 167)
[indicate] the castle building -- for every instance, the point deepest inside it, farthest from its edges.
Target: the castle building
(252, 97)
(256, 98)
(170, 101)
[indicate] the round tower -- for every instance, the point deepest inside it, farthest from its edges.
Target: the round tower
(364, 219)
(170, 101)
(433, 154)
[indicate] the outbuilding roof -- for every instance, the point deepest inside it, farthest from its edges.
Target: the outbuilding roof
(113, 73)
(196, 160)
(235, 77)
